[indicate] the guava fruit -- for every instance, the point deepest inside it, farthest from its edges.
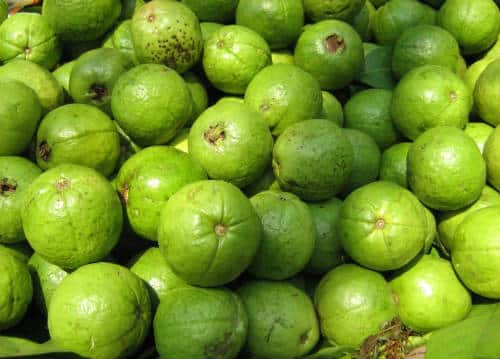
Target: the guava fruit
(152, 267)
(288, 237)
(431, 233)
(78, 134)
(214, 10)
(62, 75)
(100, 311)
(121, 40)
(198, 323)
(151, 103)
(393, 164)
(382, 226)
(353, 303)
(491, 156)
(278, 22)
(344, 10)
(282, 57)
(76, 22)
(20, 111)
(430, 296)
(475, 253)
(277, 93)
(76, 197)
(363, 21)
(39, 79)
(486, 86)
(129, 7)
(215, 235)
(29, 37)
(232, 56)
(332, 109)
(16, 288)
(313, 159)
(332, 52)
(232, 142)
(479, 132)
(148, 179)
(94, 76)
(180, 141)
(430, 96)
(445, 169)
(282, 323)
(199, 95)
(208, 28)
(16, 174)
(328, 252)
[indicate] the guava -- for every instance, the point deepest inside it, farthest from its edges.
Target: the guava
(289, 235)
(215, 10)
(78, 134)
(479, 132)
(180, 141)
(445, 169)
(76, 198)
(491, 156)
(232, 142)
(215, 235)
(277, 93)
(344, 10)
(313, 159)
(208, 28)
(100, 311)
(393, 164)
(16, 174)
(282, 323)
(121, 40)
(148, 179)
(198, 323)
(332, 109)
(363, 21)
(198, 94)
(382, 226)
(263, 183)
(62, 75)
(353, 303)
(486, 86)
(282, 57)
(129, 7)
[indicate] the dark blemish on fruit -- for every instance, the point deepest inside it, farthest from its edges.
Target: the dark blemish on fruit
(44, 151)
(98, 92)
(7, 187)
(151, 18)
(62, 184)
(335, 43)
(123, 193)
(215, 134)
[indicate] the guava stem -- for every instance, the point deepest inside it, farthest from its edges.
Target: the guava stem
(17, 5)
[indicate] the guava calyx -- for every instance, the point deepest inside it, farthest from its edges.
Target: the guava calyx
(215, 134)
(220, 229)
(335, 43)
(123, 193)
(62, 184)
(7, 186)
(380, 223)
(98, 92)
(44, 150)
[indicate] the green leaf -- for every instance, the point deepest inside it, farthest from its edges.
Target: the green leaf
(378, 68)
(339, 352)
(477, 337)
(11, 347)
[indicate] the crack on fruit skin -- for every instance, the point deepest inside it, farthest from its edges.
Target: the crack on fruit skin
(62, 184)
(7, 187)
(220, 229)
(380, 223)
(215, 134)
(98, 92)
(335, 43)
(123, 193)
(44, 150)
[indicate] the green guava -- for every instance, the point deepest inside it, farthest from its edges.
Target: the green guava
(353, 303)
(382, 226)
(215, 235)
(180, 141)
(121, 40)
(431, 233)
(393, 164)
(479, 132)
(445, 169)
(282, 57)
(277, 93)
(344, 10)
(486, 86)
(288, 238)
(313, 159)
(282, 323)
(232, 142)
(129, 8)
(100, 311)
(198, 94)
(363, 21)
(148, 179)
(332, 109)
(62, 75)
(16, 174)
(198, 323)
(76, 198)
(208, 28)
(491, 155)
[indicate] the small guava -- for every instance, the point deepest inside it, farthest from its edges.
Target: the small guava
(332, 109)
(393, 164)
(121, 40)
(479, 132)
(491, 155)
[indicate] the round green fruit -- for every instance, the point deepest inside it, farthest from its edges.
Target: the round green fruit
(121, 40)
(62, 75)
(213, 10)
(486, 86)
(332, 109)
(492, 156)
(393, 164)
(479, 132)
(344, 10)
(198, 94)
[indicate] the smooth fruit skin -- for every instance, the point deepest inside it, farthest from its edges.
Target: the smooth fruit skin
(208, 28)
(78, 134)
(29, 37)
(198, 94)
(353, 303)
(475, 252)
(430, 296)
(332, 109)
(430, 96)
(197, 323)
(382, 226)
(277, 93)
(393, 164)
(4, 10)
(232, 142)
(313, 159)
(232, 56)
(288, 235)
(363, 21)
(16, 174)
(65, 197)
(20, 112)
(474, 23)
(215, 235)
(100, 311)
(151, 103)
(75, 21)
(445, 169)
(62, 75)
(344, 10)
(281, 318)
(121, 40)
(167, 32)
(214, 10)
(148, 179)
(332, 51)
(16, 288)
(492, 157)
(486, 86)
(479, 132)
(278, 22)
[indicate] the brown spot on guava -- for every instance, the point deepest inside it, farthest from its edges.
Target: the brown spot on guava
(335, 43)
(220, 229)
(98, 92)
(7, 187)
(151, 17)
(453, 96)
(380, 223)
(44, 150)
(27, 50)
(265, 107)
(395, 298)
(220, 44)
(62, 184)
(123, 193)
(215, 134)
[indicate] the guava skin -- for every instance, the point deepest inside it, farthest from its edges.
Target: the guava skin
(16, 174)
(491, 156)
(121, 40)
(198, 323)
(4, 11)
(479, 132)
(344, 10)
(148, 179)
(282, 321)
(77, 197)
(62, 75)
(289, 235)
(393, 164)
(100, 311)
(215, 236)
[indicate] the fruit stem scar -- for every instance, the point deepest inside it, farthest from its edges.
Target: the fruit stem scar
(215, 134)
(124, 193)
(380, 223)
(220, 44)
(44, 150)
(97, 92)
(151, 18)
(335, 43)
(453, 96)
(62, 184)
(7, 186)
(220, 229)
